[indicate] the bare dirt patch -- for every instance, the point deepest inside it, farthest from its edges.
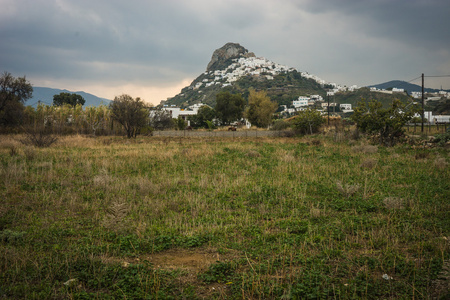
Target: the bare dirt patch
(196, 260)
(191, 260)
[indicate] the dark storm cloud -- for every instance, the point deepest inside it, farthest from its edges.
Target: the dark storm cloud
(417, 22)
(161, 43)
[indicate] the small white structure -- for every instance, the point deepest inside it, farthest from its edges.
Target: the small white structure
(325, 104)
(416, 95)
(301, 101)
(345, 106)
(433, 119)
(176, 112)
(396, 90)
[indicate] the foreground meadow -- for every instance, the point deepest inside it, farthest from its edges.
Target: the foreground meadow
(266, 218)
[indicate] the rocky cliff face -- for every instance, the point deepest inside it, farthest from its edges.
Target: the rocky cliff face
(228, 51)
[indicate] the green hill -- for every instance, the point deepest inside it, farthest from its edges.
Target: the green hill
(283, 88)
(366, 95)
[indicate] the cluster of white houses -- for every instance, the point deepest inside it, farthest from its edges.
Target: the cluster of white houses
(176, 112)
(242, 66)
(303, 102)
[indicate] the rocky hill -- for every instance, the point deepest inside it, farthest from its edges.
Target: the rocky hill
(235, 69)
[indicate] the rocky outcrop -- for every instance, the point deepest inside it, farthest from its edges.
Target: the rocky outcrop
(222, 55)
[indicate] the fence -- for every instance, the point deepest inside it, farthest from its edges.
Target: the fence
(219, 133)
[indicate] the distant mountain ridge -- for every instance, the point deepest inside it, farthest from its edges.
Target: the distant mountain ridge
(409, 87)
(45, 96)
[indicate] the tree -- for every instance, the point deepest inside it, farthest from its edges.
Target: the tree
(131, 113)
(180, 123)
(161, 119)
(68, 98)
(205, 115)
(308, 121)
(13, 94)
(386, 124)
(260, 108)
(229, 107)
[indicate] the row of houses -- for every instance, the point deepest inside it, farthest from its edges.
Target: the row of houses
(304, 101)
(176, 112)
(393, 91)
(431, 96)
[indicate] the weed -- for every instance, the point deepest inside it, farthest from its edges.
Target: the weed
(440, 287)
(218, 272)
(369, 163)
(366, 149)
(13, 151)
(393, 203)
(115, 216)
(348, 190)
(440, 163)
(10, 236)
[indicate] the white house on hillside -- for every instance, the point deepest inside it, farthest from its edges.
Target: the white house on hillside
(301, 101)
(176, 112)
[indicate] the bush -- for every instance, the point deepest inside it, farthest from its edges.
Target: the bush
(442, 139)
(384, 124)
(308, 121)
(39, 136)
(280, 125)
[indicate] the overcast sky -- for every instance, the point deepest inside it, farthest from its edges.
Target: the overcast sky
(151, 49)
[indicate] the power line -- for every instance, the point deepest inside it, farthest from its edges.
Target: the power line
(437, 76)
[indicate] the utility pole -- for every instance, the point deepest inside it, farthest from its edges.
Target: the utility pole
(328, 108)
(423, 101)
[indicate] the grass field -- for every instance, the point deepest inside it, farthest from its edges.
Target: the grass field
(211, 218)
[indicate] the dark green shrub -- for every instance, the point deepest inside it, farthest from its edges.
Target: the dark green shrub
(442, 139)
(280, 125)
(308, 121)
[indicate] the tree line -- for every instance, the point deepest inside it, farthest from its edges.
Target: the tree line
(132, 116)
(125, 115)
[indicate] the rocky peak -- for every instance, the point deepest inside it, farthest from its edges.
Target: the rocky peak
(228, 51)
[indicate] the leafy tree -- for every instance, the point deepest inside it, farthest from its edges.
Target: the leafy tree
(260, 108)
(161, 119)
(131, 113)
(68, 98)
(13, 94)
(386, 124)
(204, 116)
(181, 123)
(229, 107)
(308, 121)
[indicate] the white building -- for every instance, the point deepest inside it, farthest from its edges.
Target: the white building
(301, 101)
(416, 95)
(345, 107)
(316, 98)
(433, 119)
(325, 104)
(176, 112)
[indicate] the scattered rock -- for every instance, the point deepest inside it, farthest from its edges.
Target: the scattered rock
(71, 282)
(387, 277)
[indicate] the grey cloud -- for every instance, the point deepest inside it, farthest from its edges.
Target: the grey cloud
(155, 42)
